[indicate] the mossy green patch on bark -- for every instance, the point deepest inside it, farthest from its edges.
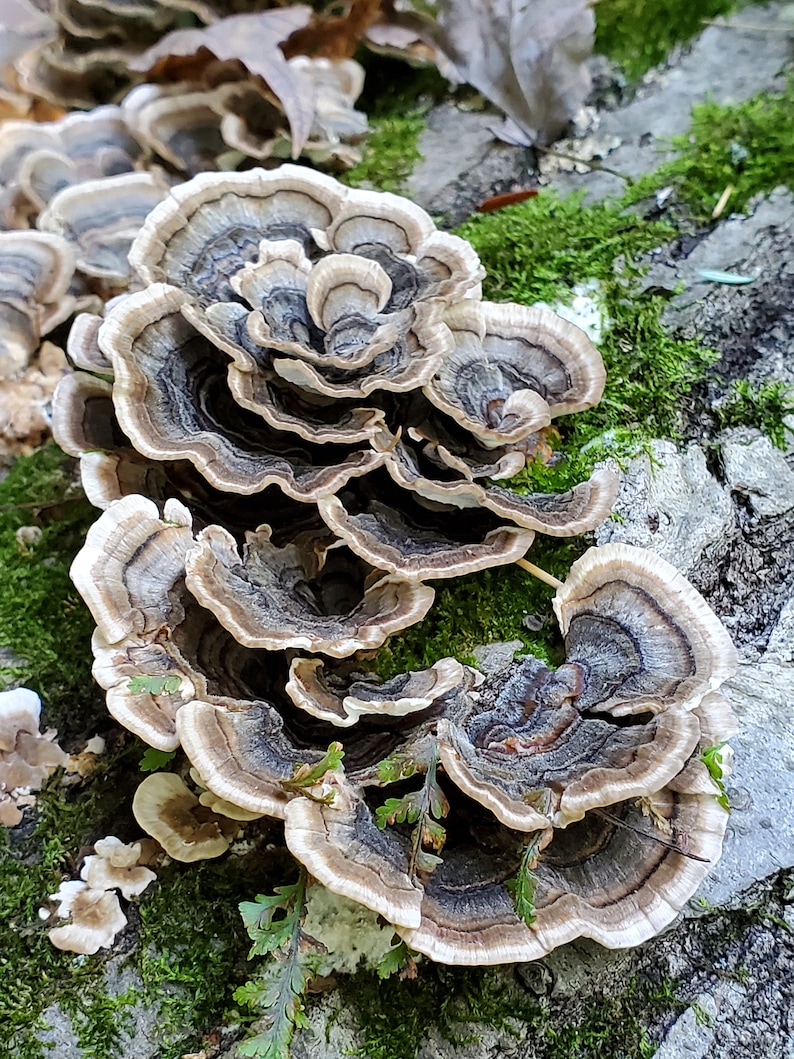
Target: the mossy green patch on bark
(763, 406)
(192, 948)
(391, 151)
(34, 974)
(483, 608)
(639, 34)
(396, 1016)
(185, 950)
(459, 1003)
(43, 621)
(396, 100)
(747, 146)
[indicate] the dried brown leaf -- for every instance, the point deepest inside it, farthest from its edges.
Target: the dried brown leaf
(527, 56)
(334, 37)
(254, 41)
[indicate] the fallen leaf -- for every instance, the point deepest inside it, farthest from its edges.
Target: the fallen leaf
(527, 56)
(510, 198)
(733, 279)
(253, 40)
(334, 36)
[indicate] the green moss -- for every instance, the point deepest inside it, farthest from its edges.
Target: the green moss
(395, 1017)
(34, 974)
(43, 621)
(391, 151)
(622, 29)
(761, 406)
(192, 946)
(538, 250)
(396, 99)
(748, 146)
(483, 608)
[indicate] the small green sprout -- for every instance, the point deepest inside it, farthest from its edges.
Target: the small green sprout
(524, 883)
(144, 685)
(398, 960)
(306, 776)
(153, 759)
(712, 759)
(424, 807)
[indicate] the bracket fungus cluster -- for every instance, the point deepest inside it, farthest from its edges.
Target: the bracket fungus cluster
(27, 756)
(91, 903)
(311, 417)
(207, 98)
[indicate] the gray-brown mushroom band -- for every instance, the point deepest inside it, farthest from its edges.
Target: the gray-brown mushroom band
(313, 416)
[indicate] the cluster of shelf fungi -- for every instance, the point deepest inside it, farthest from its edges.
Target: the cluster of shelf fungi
(311, 417)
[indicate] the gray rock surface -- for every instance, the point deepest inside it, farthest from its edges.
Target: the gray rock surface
(692, 1034)
(462, 164)
(495, 657)
(670, 503)
(757, 470)
(760, 837)
(725, 63)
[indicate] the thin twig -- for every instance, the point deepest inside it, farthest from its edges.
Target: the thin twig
(541, 575)
(653, 838)
(722, 23)
(722, 203)
(591, 163)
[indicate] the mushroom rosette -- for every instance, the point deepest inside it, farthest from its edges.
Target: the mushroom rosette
(309, 409)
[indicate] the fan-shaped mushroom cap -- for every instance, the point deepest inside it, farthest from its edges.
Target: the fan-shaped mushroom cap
(100, 218)
(407, 354)
(533, 758)
(96, 918)
(172, 401)
(348, 854)
(596, 879)
(82, 345)
(109, 476)
(648, 640)
(579, 509)
(44, 158)
(82, 415)
(27, 756)
(341, 695)
(221, 805)
(717, 723)
(294, 597)
(116, 866)
(150, 714)
(207, 229)
(421, 542)
(129, 563)
(512, 368)
(149, 679)
(36, 270)
(178, 122)
(242, 752)
(316, 418)
(430, 470)
(168, 810)
(20, 711)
